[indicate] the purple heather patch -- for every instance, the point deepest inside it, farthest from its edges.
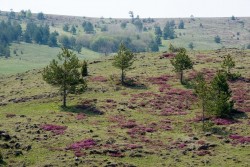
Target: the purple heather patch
(221, 121)
(239, 139)
(56, 129)
(83, 144)
(80, 116)
(98, 79)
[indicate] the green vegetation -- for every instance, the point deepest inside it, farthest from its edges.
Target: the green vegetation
(123, 60)
(135, 121)
(181, 25)
(181, 62)
(220, 105)
(202, 91)
(84, 69)
(88, 27)
(64, 74)
(9, 32)
(151, 119)
(217, 39)
(168, 31)
(228, 63)
(32, 56)
(40, 16)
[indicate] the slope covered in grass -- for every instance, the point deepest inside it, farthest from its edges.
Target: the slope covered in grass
(33, 56)
(153, 122)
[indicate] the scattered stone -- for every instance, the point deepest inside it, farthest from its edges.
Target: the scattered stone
(5, 136)
(195, 138)
(95, 152)
(17, 145)
(208, 134)
(18, 153)
(203, 147)
(136, 155)
(27, 148)
(5, 146)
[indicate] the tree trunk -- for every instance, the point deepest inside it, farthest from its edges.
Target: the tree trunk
(122, 77)
(64, 90)
(203, 115)
(64, 96)
(181, 77)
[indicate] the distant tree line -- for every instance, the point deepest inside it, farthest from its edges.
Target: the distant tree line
(12, 31)
(9, 32)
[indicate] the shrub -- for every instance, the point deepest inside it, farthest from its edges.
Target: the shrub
(191, 45)
(217, 39)
(104, 45)
(84, 69)
(248, 46)
(181, 25)
(123, 25)
(220, 104)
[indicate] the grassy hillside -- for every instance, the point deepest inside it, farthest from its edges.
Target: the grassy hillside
(155, 122)
(32, 56)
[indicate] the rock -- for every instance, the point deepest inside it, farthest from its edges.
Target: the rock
(195, 138)
(18, 153)
(110, 141)
(12, 141)
(212, 145)
(203, 147)
(136, 155)
(1, 132)
(177, 160)
(17, 145)
(95, 152)
(27, 148)
(5, 146)
(111, 165)
(208, 134)
(226, 141)
(5, 136)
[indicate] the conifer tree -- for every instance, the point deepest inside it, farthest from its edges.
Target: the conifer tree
(123, 60)
(64, 73)
(181, 62)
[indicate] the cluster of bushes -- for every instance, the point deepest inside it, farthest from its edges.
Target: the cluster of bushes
(24, 14)
(9, 32)
(108, 43)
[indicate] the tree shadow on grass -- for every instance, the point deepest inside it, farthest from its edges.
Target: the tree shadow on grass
(133, 84)
(87, 107)
(220, 131)
(237, 114)
(3, 163)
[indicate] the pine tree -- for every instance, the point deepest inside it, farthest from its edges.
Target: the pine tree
(202, 91)
(84, 69)
(181, 62)
(221, 106)
(64, 73)
(123, 60)
(228, 63)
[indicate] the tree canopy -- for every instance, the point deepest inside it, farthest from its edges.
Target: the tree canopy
(64, 73)
(181, 62)
(123, 60)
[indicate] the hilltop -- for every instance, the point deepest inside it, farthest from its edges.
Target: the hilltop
(93, 37)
